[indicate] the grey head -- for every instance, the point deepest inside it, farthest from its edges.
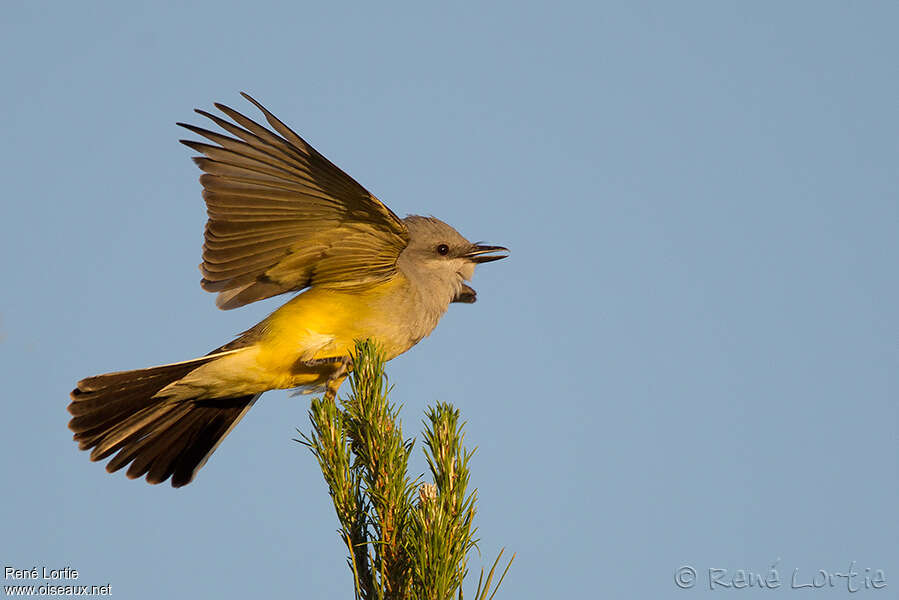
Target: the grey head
(438, 261)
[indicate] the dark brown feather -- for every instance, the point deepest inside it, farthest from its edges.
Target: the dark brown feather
(117, 413)
(282, 217)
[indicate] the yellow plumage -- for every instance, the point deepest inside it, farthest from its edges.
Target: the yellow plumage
(322, 323)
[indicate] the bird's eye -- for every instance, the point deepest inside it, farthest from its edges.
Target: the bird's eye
(442, 249)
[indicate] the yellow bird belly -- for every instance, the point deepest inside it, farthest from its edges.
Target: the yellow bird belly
(290, 348)
(322, 323)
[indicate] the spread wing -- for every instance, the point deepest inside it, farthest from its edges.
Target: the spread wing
(282, 217)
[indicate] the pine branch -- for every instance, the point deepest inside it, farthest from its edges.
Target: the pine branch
(401, 544)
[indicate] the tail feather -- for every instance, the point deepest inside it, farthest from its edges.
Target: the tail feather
(162, 447)
(132, 428)
(165, 426)
(217, 424)
(118, 413)
(165, 465)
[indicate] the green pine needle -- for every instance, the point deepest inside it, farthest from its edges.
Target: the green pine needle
(404, 539)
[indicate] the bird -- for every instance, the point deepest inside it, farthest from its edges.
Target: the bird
(282, 219)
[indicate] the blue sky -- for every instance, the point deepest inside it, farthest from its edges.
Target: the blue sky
(689, 359)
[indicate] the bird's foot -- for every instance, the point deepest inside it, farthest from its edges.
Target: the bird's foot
(341, 365)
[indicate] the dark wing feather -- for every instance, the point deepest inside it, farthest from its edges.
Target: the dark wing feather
(282, 217)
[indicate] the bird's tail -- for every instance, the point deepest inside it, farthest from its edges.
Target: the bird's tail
(160, 437)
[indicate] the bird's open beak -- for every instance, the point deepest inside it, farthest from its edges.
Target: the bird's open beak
(484, 254)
